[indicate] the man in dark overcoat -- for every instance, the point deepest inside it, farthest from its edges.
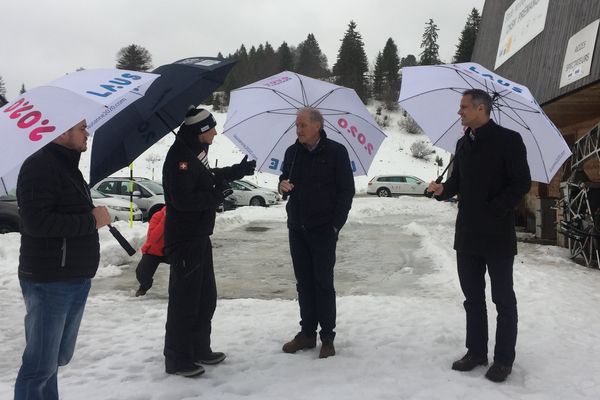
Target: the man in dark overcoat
(490, 176)
(318, 177)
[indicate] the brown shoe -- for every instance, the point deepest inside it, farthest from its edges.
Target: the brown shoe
(299, 342)
(327, 350)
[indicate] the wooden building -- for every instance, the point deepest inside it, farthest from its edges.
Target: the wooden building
(548, 46)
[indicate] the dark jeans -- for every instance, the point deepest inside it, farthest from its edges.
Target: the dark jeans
(192, 302)
(313, 256)
(146, 268)
(471, 272)
(54, 312)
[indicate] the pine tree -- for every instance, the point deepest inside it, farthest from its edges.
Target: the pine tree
(134, 58)
(251, 68)
(430, 54)
(391, 74)
(270, 63)
(2, 87)
(285, 58)
(238, 76)
(466, 42)
(23, 90)
(311, 60)
(378, 78)
(352, 66)
(408, 61)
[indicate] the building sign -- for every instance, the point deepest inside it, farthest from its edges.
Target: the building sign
(579, 54)
(523, 21)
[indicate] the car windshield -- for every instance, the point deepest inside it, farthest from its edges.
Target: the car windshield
(249, 184)
(154, 187)
(96, 194)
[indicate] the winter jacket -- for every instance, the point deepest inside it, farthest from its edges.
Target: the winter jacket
(490, 175)
(59, 239)
(155, 240)
(323, 184)
(192, 193)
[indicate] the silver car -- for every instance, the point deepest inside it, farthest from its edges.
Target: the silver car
(147, 194)
(118, 209)
(248, 194)
(389, 185)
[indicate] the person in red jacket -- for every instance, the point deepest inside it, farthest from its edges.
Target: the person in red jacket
(152, 252)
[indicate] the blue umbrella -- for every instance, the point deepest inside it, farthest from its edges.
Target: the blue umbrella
(131, 132)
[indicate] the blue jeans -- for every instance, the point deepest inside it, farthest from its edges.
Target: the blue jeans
(54, 312)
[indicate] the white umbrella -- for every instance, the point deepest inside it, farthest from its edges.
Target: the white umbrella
(39, 115)
(261, 119)
(431, 95)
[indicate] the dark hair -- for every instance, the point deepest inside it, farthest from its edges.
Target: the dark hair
(478, 97)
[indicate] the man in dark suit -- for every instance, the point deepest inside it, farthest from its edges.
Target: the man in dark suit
(490, 176)
(318, 177)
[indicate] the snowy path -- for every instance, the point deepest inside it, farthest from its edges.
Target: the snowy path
(400, 318)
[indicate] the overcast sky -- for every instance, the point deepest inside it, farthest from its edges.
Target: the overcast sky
(43, 40)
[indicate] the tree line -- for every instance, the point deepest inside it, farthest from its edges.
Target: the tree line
(351, 68)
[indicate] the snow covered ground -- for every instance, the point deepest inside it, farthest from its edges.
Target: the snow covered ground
(400, 325)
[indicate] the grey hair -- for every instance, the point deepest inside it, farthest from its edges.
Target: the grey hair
(478, 97)
(313, 114)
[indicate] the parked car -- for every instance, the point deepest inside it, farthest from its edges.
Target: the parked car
(148, 195)
(117, 208)
(389, 185)
(248, 194)
(9, 214)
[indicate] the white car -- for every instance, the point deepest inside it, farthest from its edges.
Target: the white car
(148, 195)
(117, 208)
(248, 194)
(388, 185)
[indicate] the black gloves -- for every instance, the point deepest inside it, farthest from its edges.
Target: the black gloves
(247, 167)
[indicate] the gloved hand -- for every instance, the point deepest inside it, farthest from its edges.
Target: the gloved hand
(247, 167)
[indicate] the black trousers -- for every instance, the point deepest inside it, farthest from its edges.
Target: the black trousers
(192, 302)
(146, 268)
(313, 257)
(471, 273)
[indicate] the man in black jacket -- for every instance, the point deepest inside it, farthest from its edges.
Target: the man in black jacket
(318, 178)
(490, 176)
(192, 193)
(59, 255)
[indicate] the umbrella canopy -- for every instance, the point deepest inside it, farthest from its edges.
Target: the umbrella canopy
(262, 116)
(181, 84)
(431, 95)
(38, 116)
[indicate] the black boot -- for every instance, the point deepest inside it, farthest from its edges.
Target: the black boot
(469, 361)
(188, 370)
(498, 372)
(212, 358)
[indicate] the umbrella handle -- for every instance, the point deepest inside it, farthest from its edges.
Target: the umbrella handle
(122, 241)
(430, 194)
(439, 178)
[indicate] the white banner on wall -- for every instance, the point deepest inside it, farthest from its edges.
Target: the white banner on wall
(579, 54)
(523, 21)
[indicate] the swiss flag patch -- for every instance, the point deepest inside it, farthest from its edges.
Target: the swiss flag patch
(183, 165)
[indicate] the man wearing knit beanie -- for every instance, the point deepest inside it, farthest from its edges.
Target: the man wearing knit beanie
(192, 193)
